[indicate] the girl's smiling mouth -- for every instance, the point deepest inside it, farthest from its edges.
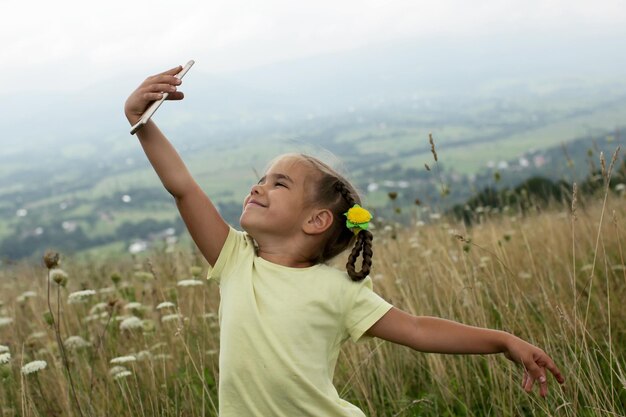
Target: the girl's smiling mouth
(254, 202)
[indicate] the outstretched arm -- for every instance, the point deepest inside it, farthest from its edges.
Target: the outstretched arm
(206, 226)
(430, 334)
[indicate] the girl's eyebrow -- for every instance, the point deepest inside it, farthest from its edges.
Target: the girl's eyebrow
(278, 177)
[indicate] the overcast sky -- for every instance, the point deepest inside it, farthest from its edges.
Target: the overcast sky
(69, 44)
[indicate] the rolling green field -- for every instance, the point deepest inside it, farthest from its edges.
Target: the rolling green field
(84, 183)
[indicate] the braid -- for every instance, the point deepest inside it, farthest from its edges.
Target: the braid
(345, 193)
(363, 244)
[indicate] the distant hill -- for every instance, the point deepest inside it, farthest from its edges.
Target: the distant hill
(70, 172)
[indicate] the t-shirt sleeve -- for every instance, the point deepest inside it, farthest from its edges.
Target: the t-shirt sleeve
(366, 309)
(236, 242)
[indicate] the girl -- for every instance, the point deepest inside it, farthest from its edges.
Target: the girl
(284, 313)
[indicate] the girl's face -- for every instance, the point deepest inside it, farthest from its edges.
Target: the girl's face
(277, 204)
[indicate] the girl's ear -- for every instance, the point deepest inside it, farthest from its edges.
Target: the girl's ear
(318, 222)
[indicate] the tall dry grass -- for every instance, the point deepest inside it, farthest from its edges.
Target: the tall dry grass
(555, 278)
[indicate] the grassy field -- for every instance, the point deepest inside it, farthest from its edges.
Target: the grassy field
(556, 278)
(89, 177)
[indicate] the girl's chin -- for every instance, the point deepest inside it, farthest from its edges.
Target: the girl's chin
(245, 224)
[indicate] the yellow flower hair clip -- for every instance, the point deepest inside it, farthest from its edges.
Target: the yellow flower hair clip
(357, 218)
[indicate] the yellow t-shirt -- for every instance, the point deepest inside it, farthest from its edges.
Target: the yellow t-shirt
(281, 330)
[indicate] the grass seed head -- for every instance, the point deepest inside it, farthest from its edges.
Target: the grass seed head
(116, 278)
(432, 146)
(51, 259)
(59, 276)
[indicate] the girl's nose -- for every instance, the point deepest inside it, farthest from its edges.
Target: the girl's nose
(256, 189)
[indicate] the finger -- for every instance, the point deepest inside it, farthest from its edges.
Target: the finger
(554, 370)
(152, 96)
(172, 71)
(162, 79)
(528, 386)
(161, 88)
(534, 372)
(543, 385)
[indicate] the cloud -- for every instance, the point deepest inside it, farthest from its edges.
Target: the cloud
(70, 43)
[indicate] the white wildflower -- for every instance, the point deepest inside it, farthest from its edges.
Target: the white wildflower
(123, 359)
(76, 342)
(171, 317)
(37, 335)
(93, 317)
(5, 358)
(122, 317)
(4, 348)
(434, 216)
(5, 321)
(25, 296)
(144, 355)
(143, 276)
(159, 346)
(189, 282)
(133, 306)
(117, 369)
(106, 290)
(98, 308)
(122, 374)
(34, 366)
(165, 304)
(131, 323)
(80, 296)
(162, 357)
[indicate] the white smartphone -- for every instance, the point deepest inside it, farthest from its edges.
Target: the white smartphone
(154, 106)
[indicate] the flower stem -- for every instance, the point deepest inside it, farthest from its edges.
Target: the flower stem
(57, 332)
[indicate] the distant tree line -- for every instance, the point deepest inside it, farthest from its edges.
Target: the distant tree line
(537, 193)
(20, 245)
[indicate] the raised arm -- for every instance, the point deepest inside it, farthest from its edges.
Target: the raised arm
(436, 335)
(205, 224)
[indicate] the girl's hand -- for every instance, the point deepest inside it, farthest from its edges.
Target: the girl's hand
(535, 362)
(150, 90)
